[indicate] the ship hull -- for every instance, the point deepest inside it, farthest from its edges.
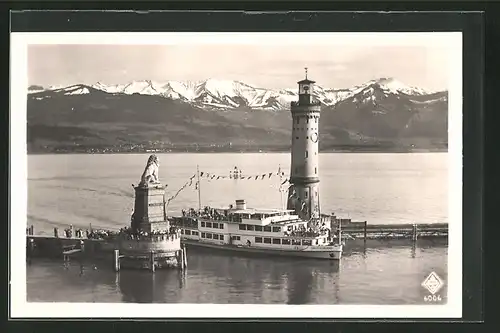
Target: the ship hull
(324, 254)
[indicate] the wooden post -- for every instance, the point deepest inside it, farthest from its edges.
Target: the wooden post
(366, 223)
(185, 256)
(31, 247)
(415, 233)
(152, 261)
(180, 260)
(116, 261)
(56, 232)
(72, 231)
(32, 230)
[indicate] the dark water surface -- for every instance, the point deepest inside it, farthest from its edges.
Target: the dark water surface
(379, 188)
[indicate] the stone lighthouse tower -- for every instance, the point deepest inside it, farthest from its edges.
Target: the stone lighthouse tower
(303, 196)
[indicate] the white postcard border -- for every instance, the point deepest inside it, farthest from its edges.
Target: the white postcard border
(20, 308)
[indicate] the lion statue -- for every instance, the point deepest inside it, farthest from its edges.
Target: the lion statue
(150, 174)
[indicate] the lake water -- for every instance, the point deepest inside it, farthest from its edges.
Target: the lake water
(378, 188)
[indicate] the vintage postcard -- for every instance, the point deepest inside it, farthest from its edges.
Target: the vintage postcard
(291, 175)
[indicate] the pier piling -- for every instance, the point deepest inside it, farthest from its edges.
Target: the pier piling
(365, 227)
(32, 230)
(116, 261)
(31, 247)
(71, 231)
(415, 233)
(56, 232)
(152, 261)
(184, 255)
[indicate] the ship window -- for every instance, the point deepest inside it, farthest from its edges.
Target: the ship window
(221, 225)
(209, 236)
(267, 229)
(285, 241)
(209, 224)
(306, 242)
(295, 241)
(221, 237)
(216, 236)
(258, 239)
(187, 232)
(203, 224)
(235, 237)
(195, 233)
(307, 154)
(276, 241)
(203, 235)
(216, 225)
(276, 229)
(242, 227)
(258, 228)
(267, 240)
(250, 227)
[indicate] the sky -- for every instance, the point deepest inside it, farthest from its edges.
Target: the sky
(272, 66)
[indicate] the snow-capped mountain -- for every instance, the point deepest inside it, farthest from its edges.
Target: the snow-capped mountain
(228, 94)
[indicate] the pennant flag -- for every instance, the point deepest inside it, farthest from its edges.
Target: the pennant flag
(256, 177)
(263, 176)
(218, 177)
(201, 174)
(213, 176)
(270, 174)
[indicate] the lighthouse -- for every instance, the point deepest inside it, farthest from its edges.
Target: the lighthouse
(303, 195)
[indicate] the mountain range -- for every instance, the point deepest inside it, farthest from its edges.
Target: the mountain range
(382, 112)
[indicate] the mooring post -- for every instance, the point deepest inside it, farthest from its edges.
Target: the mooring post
(152, 261)
(184, 254)
(415, 233)
(31, 247)
(56, 232)
(72, 231)
(32, 230)
(366, 223)
(116, 261)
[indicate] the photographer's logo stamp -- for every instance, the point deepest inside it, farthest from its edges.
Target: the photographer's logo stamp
(433, 284)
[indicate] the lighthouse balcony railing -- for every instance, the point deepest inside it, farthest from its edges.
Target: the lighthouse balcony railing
(313, 103)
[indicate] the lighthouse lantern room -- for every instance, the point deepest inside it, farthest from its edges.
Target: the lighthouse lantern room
(303, 196)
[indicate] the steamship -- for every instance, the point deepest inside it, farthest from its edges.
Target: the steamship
(261, 231)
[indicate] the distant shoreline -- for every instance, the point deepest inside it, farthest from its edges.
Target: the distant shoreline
(248, 151)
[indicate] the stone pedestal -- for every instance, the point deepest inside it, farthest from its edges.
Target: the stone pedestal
(149, 210)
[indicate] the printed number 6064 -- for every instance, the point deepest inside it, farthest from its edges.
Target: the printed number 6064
(432, 298)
